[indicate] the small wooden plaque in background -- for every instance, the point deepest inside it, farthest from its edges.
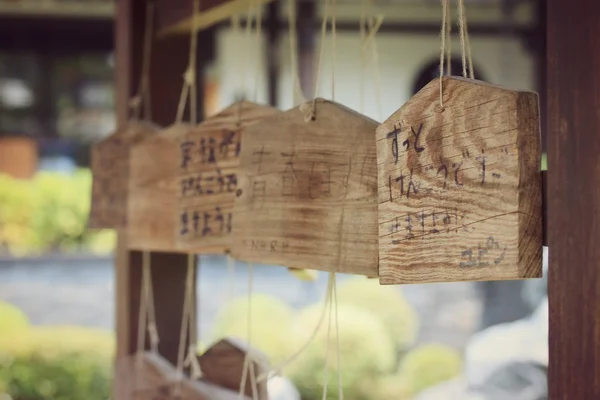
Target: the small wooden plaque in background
(149, 376)
(153, 190)
(460, 189)
(208, 160)
(110, 162)
(308, 191)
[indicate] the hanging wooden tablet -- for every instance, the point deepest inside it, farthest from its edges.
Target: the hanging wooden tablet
(459, 186)
(153, 190)
(208, 158)
(223, 364)
(149, 376)
(308, 190)
(110, 166)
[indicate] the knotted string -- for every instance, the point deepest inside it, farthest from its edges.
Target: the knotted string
(249, 359)
(465, 42)
(297, 92)
(146, 317)
(187, 331)
(143, 92)
(189, 76)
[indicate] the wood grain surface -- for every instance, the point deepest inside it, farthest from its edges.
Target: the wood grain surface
(459, 188)
(223, 364)
(110, 163)
(153, 190)
(149, 376)
(208, 160)
(307, 194)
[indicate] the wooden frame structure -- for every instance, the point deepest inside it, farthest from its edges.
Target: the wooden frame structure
(573, 206)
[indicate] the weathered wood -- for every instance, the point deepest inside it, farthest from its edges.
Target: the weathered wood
(574, 198)
(169, 58)
(223, 365)
(308, 191)
(148, 376)
(110, 170)
(208, 159)
(460, 187)
(153, 190)
(176, 16)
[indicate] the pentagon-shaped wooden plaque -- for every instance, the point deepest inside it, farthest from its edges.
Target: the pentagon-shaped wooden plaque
(460, 187)
(110, 164)
(208, 160)
(223, 364)
(308, 191)
(153, 190)
(149, 376)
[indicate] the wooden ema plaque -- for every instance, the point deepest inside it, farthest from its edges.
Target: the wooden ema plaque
(308, 191)
(223, 364)
(460, 188)
(153, 190)
(149, 376)
(208, 160)
(110, 170)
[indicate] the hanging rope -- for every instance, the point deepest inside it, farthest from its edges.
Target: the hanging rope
(277, 370)
(249, 360)
(189, 77)
(443, 33)
(448, 40)
(143, 92)
(297, 92)
(465, 42)
(312, 112)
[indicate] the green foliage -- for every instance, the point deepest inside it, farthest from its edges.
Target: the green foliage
(271, 324)
(49, 213)
(544, 162)
(12, 319)
(58, 363)
(385, 302)
(429, 365)
(366, 353)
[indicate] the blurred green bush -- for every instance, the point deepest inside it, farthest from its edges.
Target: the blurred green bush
(53, 362)
(388, 304)
(366, 353)
(428, 365)
(49, 213)
(271, 325)
(12, 319)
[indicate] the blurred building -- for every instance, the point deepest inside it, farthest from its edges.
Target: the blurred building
(56, 65)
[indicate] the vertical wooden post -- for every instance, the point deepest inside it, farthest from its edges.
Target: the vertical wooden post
(169, 61)
(574, 198)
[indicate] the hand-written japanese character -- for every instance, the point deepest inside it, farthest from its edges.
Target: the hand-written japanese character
(226, 141)
(394, 136)
(183, 218)
(409, 226)
(411, 184)
(481, 159)
(288, 178)
(259, 191)
(481, 252)
(443, 168)
(231, 182)
(456, 167)
(416, 135)
(395, 226)
(228, 225)
(422, 217)
(258, 158)
(219, 217)
(220, 180)
(196, 219)
(319, 180)
(434, 218)
(186, 152)
(206, 229)
(470, 262)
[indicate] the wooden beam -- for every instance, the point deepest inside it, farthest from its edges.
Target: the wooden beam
(169, 59)
(573, 39)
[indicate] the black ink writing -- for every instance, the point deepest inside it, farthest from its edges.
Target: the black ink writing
(394, 136)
